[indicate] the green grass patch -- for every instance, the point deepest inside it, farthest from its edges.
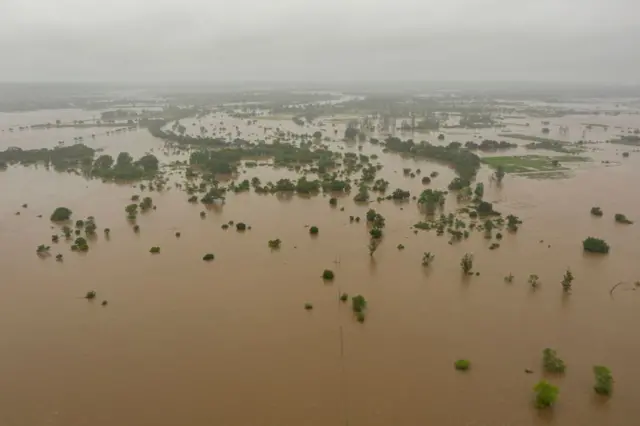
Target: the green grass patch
(532, 163)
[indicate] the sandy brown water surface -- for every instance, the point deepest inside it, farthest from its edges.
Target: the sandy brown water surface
(186, 342)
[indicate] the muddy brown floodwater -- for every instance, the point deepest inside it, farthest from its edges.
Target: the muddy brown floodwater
(187, 342)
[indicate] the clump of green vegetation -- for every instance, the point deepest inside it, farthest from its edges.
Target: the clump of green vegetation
(426, 180)
(604, 380)
(193, 199)
(59, 257)
(344, 297)
(308, 306)
(136, 228)
(42, 249)
(333, 201)
(462, 364)
(328, 275)
(551, 362)
(567, 280)
(178, 234)
(146, 203)
(596, 211)
(427, 258)
(90, 295)
(358, 303)
(154, 250)
(513, 222)
(132, 211)
(595, 245)
(225, 226)
(360, 317)
(55, 238)
(208, 257)
(107, 232)
(466, 263)
(498, 236)
(275, 244)
(240, 226)
(313, 230)
(400, 247)
(509, 278)
(546, 394)
(373, 246)
(494, 246)
(67, 231)
(61, 214)
(80, 244)
(376, 233)
(533, 280)
(620, 218)
(203, 214)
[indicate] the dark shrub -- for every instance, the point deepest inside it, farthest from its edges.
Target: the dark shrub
(61, 214)
(595, 245)
(208, 257)
(313, 230)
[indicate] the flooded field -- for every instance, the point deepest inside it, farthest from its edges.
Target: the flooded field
(229, 342)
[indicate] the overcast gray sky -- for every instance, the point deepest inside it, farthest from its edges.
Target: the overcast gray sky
(319, 40)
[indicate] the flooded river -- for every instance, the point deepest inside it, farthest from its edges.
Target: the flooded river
(228, 342)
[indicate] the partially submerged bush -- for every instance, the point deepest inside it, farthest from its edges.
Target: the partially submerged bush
(551, 362)
(427, 258)
(240, 226)
(567, 280)
(596, 211)
(462, 364)
(275, 244)
(358, 303)
(136, 228)
(308, 306)
(595, 245)
(225, 226)
(400, 247)
(313, 230)
(80, 244)
(604, 380)
(328, 275)
(376, 233)
(620, 218)
(344, 297)
(546, 394)
(61, 214)
(90, 295)
(333, 201)
(41, 249)
(154, 250)
(466, 263)
(208, 257)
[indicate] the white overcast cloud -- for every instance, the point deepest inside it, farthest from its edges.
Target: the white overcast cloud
(319, 40)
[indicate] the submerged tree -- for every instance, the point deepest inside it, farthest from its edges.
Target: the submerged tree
(533, 281)
(567, 280)
(466, 263)
(596, 211)
(499, 173)
(373, 246)
(604, 380)
(427, 258)
(61, 214)
(546, 394)
(551, 362)
(328, 275)
(275, 244)
(595, 245)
